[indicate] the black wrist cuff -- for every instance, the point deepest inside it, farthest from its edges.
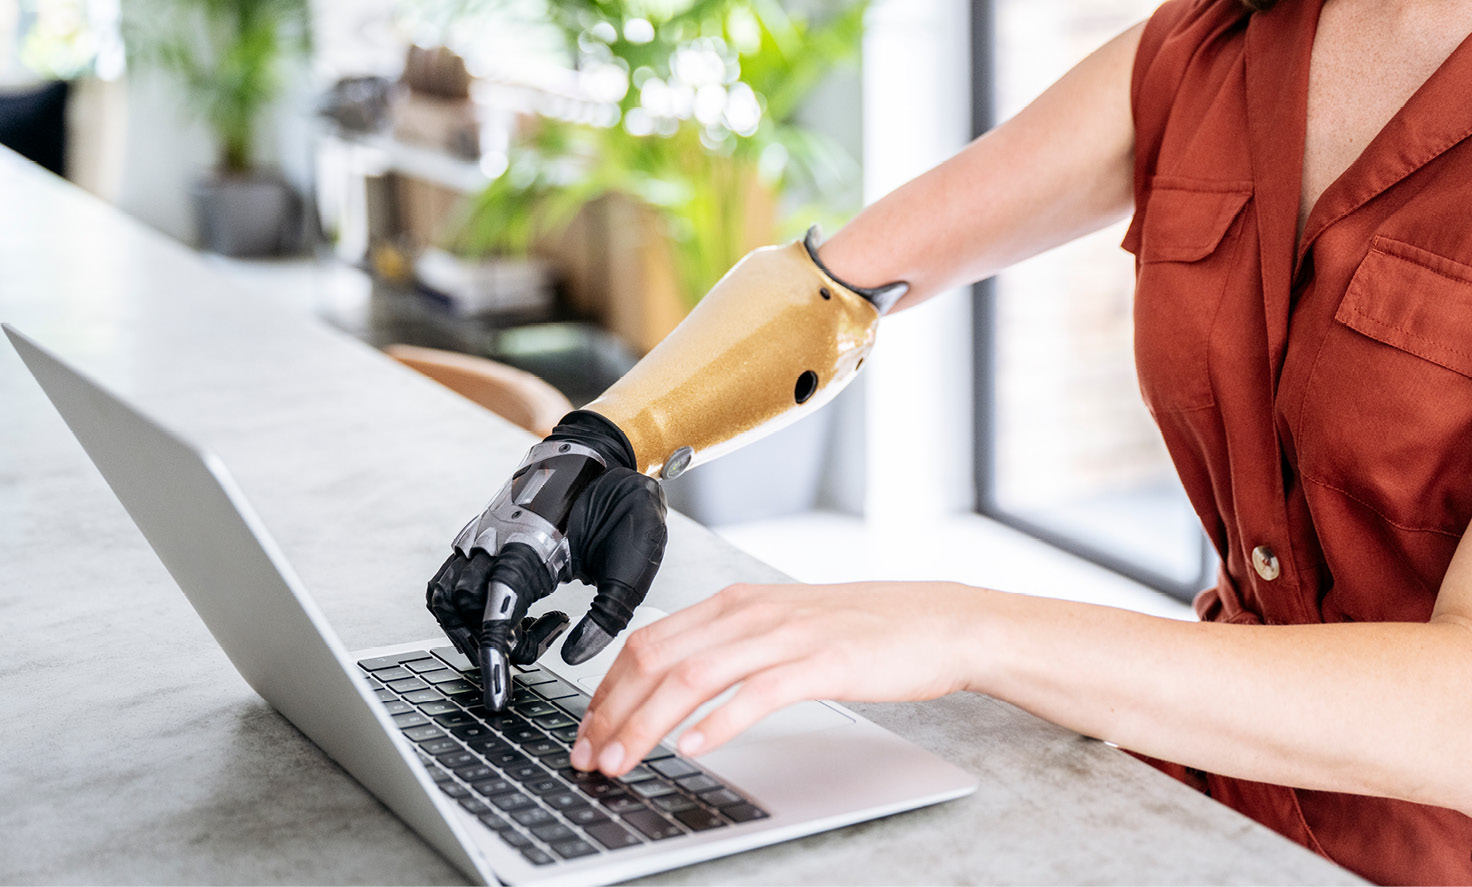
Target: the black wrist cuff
(597, 433)
(881, 297)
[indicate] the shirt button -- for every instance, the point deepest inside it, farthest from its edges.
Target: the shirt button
(1265, 563)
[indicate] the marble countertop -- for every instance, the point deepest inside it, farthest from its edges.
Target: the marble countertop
(132, 751)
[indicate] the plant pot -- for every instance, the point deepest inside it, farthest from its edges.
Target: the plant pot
(250, 214)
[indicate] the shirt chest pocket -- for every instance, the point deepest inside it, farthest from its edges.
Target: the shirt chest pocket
(1187, 244)
(1387, 413)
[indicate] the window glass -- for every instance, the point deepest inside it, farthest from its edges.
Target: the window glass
(1075, 455)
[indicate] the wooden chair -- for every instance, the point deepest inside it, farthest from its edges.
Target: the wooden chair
(515, 395)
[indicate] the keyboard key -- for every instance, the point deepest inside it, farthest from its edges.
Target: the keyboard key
(425, 695)
(425, 733)
(504, 720)
(439, 746)
(457, 758)
(438, 774)
(511, 801)
(674, 803)
(441, 676)
(471, 731)
(454, 790)
(652, 825)
(458, 686)
(495, 822)
(580, 777)
(523, 695)
(406, 685)
(699, 783)
(638, 774)
(525, 772)
(514, 838)
(675, 768)
(722, 797)
(541, 748)
(621, 804)
(523, 735)
(532, 677)
(455, 718)
(411, 719)
(563, 800)
(475, 805)
(553, 831)
(386, 695)
(544, 786)
(558, 761)
(453, 658)
(568, 734)
(397, 706)
(493, 786)
(504, 759)
(535, 708)
(530, 816)
(699, 819)
(600, 788)
(556, 719)
(576, 706)
(537, 857)
(488, 745)
(743, 813)
(378, 663)
(388, 675)
(612, 835)
(659, 754)
(652, 788)
(420, 666)
(475, 773)
(558, 690)
(585, 816)
(437, 707)
(572, 849)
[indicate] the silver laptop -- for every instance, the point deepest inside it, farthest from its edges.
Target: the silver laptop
(494, 794)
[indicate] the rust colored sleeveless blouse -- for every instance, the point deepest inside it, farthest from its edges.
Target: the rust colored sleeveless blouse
(1317, 401)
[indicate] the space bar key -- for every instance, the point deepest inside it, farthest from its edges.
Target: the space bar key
(612, 835)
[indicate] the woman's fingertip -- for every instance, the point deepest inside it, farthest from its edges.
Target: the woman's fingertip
(582, 755)
(692, 742)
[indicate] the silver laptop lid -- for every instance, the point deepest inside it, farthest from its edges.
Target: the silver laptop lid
(213, 544)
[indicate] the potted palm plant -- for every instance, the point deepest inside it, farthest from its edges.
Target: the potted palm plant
(699, 130)
(697, 125)
(231, 58)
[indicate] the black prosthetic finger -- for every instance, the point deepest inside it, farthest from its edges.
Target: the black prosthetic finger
(535, 636)
(468, 594)
(516, 579)
(439, 601)
(620, 539)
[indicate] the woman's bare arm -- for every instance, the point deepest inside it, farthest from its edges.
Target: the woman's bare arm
(1372, 708)
(1061, 168)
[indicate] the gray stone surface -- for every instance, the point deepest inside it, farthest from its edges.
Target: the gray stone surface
(133, 753)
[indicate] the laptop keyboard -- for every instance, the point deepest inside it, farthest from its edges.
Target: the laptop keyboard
(512, 771)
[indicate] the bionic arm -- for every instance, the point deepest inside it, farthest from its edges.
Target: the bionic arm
(775, 339)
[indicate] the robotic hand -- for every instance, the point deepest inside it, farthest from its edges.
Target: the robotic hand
(775, 339)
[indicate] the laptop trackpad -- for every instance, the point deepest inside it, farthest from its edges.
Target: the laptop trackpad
(802, 717)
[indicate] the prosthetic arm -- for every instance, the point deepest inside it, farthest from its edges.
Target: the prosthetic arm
(775, 339)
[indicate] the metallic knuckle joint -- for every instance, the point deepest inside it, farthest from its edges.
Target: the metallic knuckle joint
(532, 508)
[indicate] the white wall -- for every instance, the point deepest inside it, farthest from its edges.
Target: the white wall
(918, 386)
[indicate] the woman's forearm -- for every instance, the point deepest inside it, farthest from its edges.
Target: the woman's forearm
(1380, 709)
(1061, 168)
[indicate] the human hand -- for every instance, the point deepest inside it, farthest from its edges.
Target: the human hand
(873, 641)
(572, 510)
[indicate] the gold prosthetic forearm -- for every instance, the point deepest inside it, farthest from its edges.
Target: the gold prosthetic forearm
(774, 340)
